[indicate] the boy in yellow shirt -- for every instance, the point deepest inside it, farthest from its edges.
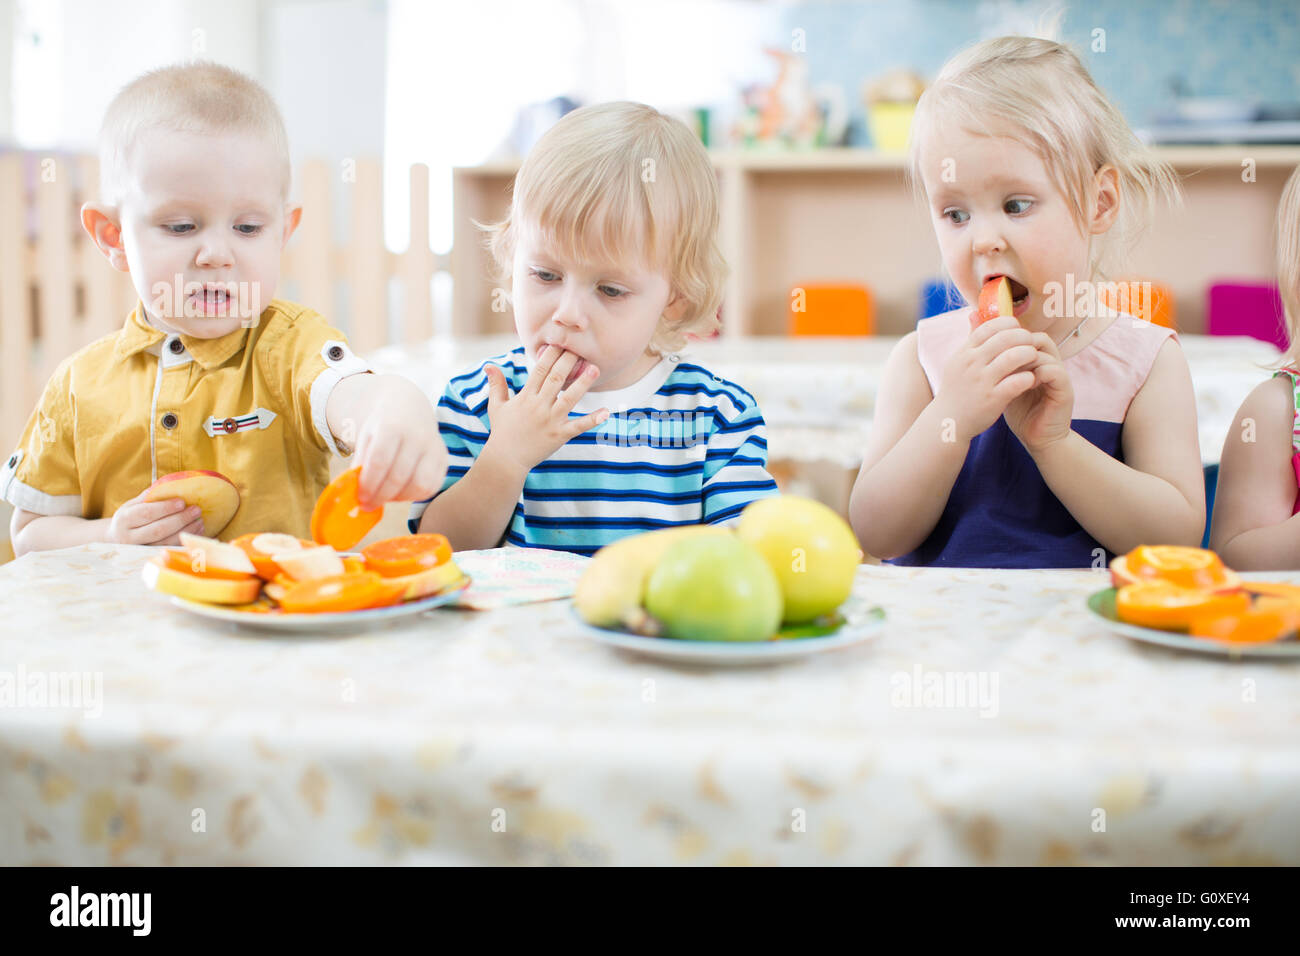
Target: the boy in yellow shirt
(209, 372)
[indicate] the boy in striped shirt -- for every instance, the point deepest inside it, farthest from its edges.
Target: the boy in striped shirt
(593, 428)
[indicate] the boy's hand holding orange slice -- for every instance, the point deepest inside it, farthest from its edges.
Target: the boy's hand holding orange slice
(338, 518)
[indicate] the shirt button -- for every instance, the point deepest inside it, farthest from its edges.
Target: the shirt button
(169, 421)
(335, 353)
(177, 347)
(230, 426)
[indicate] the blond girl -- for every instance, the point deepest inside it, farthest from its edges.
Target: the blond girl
(1064, 433)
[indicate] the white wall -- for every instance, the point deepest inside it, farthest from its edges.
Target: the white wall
(323, 60)
(90, 49)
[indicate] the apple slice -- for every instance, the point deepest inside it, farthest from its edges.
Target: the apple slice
(426, 583)
(210, 554)
(158, 577)
(215, 495)
(995, 299)
(307, 563)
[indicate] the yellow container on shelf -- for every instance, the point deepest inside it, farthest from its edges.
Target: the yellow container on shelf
(890, 125)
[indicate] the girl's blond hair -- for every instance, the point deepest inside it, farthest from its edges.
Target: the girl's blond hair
(1288, 265)
(620, 181)
(188, 97)
(1039, 93)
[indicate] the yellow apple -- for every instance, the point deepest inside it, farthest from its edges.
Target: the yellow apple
(215, 495)
(430, 582)
(159, 577)
(812, 550)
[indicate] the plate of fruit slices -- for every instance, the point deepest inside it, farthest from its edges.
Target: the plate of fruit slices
(1187, 599)
(265, 616)
(279, 582)
(855, 622)
(275, 582)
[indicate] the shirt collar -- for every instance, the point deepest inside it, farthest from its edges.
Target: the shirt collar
(138, 335)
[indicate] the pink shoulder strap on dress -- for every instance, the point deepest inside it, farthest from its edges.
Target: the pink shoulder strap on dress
(1294, 376)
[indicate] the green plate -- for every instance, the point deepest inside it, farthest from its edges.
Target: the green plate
(1102, 605)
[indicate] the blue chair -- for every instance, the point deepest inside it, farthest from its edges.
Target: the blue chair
(939, 296)
(1211, 482)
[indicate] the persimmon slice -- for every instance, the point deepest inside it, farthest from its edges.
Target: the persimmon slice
(180, 560)
(397, 557)
(1168, 607)
(340, 592)
(338, 518)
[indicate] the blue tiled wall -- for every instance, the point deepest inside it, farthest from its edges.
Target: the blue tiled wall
(1243, 48)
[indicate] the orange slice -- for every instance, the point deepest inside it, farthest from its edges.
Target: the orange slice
(341, 592)
(1183, 566)
(391, 592)
(1270, 619)
(396, 557)
(1168, 607)
(338, 518)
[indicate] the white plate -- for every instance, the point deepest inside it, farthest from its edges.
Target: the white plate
(862, 622)
(312, 623)
(1102, 606)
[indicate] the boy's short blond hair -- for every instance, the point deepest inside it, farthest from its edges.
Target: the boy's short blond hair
(1039, 93)
(189, 97)
(620, 180)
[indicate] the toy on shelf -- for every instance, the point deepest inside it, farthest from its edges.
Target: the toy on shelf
(890, 100)
(791, 112)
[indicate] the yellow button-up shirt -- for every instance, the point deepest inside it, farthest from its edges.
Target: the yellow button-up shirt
(140, 403)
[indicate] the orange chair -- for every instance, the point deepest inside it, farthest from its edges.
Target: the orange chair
(1149, 301)
(824, 309)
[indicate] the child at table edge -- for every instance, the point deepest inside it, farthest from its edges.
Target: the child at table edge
(1040, 439)
(1254, 527)
(593, 428)
(194, 190)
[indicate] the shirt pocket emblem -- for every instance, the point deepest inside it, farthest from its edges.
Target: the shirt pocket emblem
(259, 418)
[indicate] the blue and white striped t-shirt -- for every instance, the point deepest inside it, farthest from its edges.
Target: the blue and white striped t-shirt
(681, 446)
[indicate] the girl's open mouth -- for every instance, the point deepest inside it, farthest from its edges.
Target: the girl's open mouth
(1019, 297)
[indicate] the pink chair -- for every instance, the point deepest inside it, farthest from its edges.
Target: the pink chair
(1246, 308)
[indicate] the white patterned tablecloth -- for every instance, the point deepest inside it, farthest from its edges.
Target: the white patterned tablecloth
(508, 737)
(818, 395)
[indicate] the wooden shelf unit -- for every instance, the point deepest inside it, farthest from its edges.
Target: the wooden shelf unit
(848, 215)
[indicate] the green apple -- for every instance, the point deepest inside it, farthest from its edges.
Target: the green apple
(714, 589)
(811, 549)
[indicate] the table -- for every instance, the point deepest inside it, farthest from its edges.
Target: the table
(507, 736)
(818, 395)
